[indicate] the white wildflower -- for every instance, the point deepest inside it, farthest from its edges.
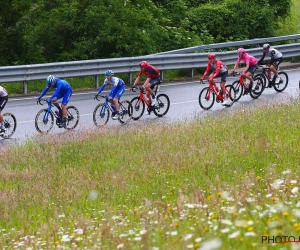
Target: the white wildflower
(211, 244)
(234, 235)
(226, 222)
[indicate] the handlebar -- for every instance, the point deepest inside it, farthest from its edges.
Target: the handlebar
(133, 89)
(97, 97)
(42, 101)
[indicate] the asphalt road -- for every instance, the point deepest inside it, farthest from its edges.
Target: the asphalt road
(183, 97)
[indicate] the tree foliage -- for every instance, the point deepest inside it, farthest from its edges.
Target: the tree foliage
(63, 30)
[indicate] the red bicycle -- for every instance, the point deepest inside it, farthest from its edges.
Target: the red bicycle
(212, 93)
(139, 103)
(241, 86)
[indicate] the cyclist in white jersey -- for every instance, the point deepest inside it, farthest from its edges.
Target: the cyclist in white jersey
(3, 101)
(276, 59)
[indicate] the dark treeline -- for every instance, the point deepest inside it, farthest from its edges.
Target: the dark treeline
(41, 31)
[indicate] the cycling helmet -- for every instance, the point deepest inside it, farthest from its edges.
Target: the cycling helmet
(240, 50)
(266, 46)
(50, 80)
(108, 73)
(211, 56)
(143, 64)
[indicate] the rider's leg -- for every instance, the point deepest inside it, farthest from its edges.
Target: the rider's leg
(64, 103)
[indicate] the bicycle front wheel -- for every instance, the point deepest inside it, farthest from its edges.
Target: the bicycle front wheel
(162, 106)
(231, 95)
(125, 112)
(10, 125)
(284, 80)
(239, 90)
(258, 87)
(72, 117)
(206, 98)
(138, 108)
(44, 121)
(101, 115)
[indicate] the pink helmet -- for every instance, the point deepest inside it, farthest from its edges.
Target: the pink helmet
(240, 50)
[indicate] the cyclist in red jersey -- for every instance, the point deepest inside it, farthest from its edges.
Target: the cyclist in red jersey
(153, 78)
(3, 101)
(220, 70)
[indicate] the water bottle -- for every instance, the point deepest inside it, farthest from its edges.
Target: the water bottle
(113, 107)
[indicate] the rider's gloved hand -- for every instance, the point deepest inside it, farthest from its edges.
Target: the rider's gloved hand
(96, 96)
(131, 87)
(48, 100)
(232, 72)
(201, 79)
(243, 74)
(38, 101)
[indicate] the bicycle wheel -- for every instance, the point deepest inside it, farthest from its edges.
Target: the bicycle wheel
(44, 121)
(239, 89)
(284, 80)
(206, 98)
(10, 125)
(258, 87)
(263, 77)
(72, 117)
(101, 115)
(125, 112)
(138, 108)
(231, 95)
(162, 106)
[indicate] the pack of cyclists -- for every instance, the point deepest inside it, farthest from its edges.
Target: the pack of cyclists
(153, 76)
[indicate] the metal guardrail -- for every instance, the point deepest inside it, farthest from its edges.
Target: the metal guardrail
(179, 59)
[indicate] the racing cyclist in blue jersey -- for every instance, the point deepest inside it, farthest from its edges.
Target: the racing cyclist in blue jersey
(63, 90)
(118, 89)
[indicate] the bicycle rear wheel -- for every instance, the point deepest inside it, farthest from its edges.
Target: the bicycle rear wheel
(101, 115)
(72, 117)
(258, 87)
(162, 106)
(284, 80)
(10, 125)
(264, 79)
(239, 90)
(206, 98)
(125, 112)
(43, 121)
(138, 108)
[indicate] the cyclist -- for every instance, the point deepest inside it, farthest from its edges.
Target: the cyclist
(153, 78)
(3, 101)
(220, 70)
(251, 66)
(116, 92)
(276, 59)
(63, 90)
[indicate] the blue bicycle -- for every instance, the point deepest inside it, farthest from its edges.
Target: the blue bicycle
(44, 119)
(102, 112)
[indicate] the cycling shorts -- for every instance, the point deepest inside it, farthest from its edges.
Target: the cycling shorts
(252, 69)
(116, 92)
(276, 62)
(66, 96)
(223, 75)
(155, 81)
(3, 101)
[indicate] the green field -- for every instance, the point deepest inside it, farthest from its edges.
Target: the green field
(223, 181)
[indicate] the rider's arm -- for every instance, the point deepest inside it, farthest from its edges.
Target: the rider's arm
(102, 87)
(261, 59)
(44, 92)
(206, 71)
(138, 78)
(146, 82)
(218, 68)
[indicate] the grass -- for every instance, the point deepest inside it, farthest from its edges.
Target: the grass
(219, 182)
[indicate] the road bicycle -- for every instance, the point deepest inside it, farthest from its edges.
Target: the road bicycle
(269, 81)
(140, 102)
(44, 119)
(212, 93)
(241, 86)
(103, 111)
(10, 125)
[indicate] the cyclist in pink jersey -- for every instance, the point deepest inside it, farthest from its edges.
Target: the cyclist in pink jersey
(219, 70)
(251, 66)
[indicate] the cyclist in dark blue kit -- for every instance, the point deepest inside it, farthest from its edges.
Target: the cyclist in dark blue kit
(118, 89)
(63, 90)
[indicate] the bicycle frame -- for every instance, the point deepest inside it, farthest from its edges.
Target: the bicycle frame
(143, 95)
(214, 89)
(106, 104)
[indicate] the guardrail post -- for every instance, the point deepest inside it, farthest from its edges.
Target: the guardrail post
(192, 73)
(129, 78)
(294, 58)
(162, 75)
(96, 82)
(25, 88)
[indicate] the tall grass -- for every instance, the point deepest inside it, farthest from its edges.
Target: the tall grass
(219, 182)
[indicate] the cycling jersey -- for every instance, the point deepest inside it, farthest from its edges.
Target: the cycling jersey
(273, 53)
(248, 59)
(3, 92)
(62, 89)
(150, 71)
(218, 66)
(118, 87)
